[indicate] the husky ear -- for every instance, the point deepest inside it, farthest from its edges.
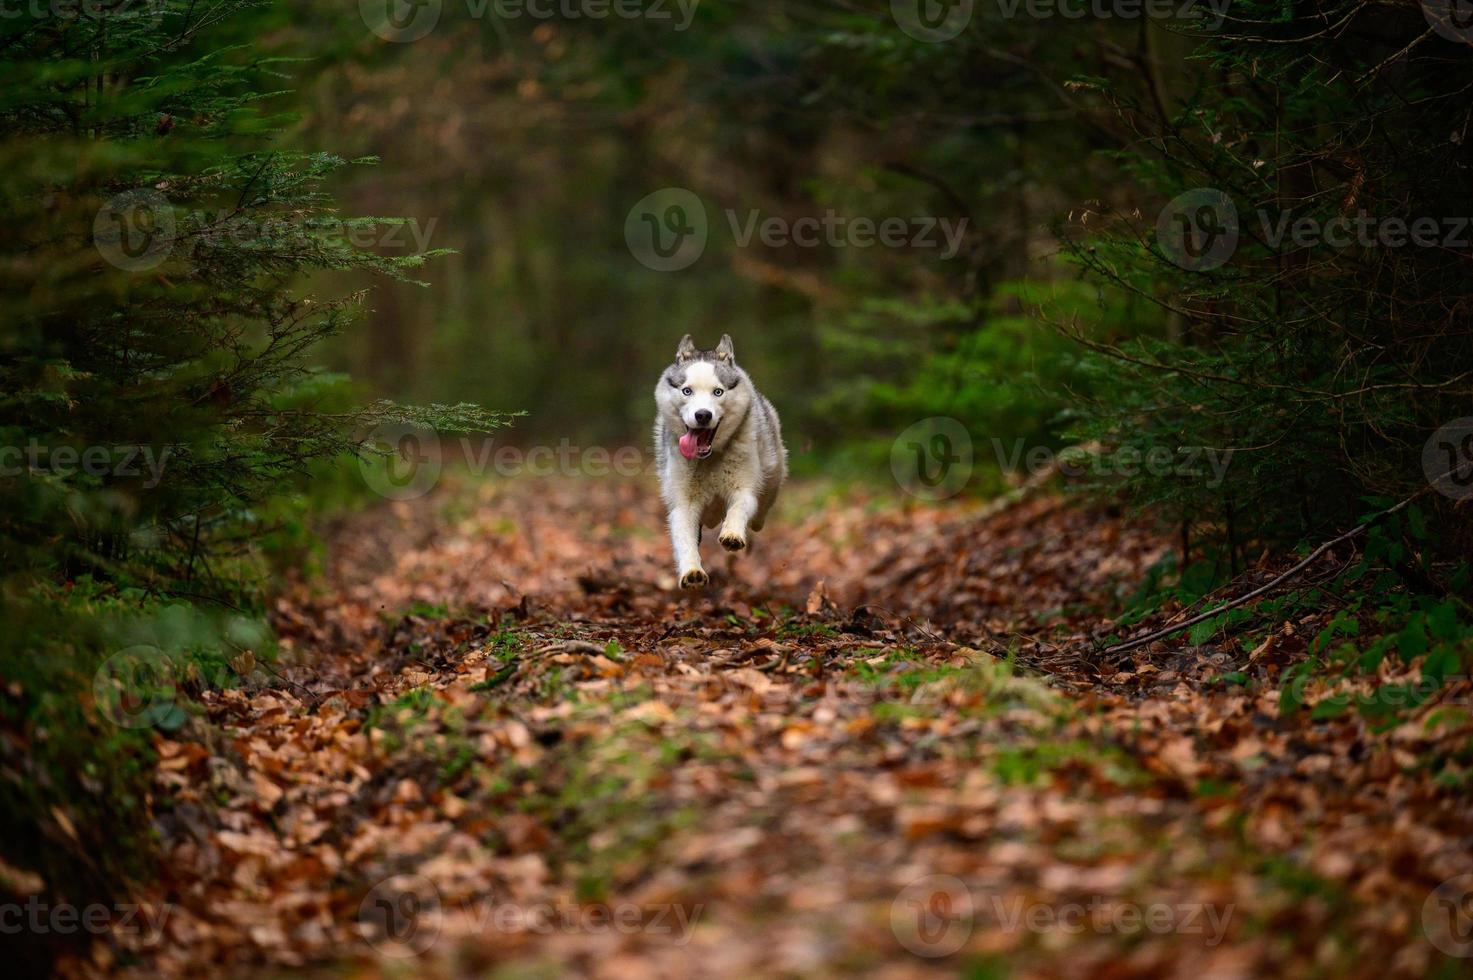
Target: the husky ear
(686, 351)
(724, 351)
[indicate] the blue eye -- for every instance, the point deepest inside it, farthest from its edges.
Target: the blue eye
(717, 392)
(687, 392)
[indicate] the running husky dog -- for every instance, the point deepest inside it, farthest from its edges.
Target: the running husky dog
(720, 451)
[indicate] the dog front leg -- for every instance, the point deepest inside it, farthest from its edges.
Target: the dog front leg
(685, 537)
(739, 513)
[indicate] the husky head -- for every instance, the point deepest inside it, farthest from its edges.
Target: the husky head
(703, 397)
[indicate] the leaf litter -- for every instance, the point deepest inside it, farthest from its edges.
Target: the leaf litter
(496, 724)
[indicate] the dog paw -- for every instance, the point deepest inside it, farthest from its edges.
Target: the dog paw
(732, 541)
(694, 579)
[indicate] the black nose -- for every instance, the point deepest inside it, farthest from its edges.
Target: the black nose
(703, 417)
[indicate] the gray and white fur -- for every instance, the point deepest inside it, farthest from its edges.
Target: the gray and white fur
(720, 451)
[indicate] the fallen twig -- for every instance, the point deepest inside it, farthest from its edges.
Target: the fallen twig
(776, 666)
(896, 615)
(572, 646)
(1271, 583)
(315, 698)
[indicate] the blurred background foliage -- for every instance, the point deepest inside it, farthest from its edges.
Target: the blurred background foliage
(536, 138)
(512, 149)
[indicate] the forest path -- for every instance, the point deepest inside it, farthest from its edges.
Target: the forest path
(497, 743)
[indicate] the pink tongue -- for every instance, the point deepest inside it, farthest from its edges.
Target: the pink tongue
(688, 445)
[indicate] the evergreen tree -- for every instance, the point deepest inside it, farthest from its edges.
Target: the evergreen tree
(154, 377)
(1309, 243)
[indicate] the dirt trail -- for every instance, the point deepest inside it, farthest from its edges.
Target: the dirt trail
(497, 742)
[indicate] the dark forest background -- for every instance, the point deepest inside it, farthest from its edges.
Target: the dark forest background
(293, 311)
